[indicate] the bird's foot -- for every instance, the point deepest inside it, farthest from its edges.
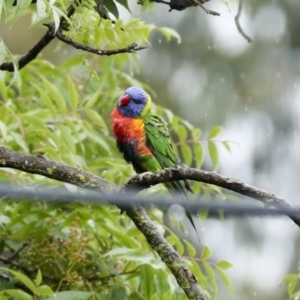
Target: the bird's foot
(143, 176)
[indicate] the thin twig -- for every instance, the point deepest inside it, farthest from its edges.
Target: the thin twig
(16, 253)
(133, 48)
(102, 12)
(8, 261)
(38, 47)
(5, 277)
(51, 34)
(208, 11)
(238, 25)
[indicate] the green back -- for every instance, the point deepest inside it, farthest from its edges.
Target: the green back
(158, 140)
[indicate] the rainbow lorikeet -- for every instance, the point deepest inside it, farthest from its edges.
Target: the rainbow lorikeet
(144, 139)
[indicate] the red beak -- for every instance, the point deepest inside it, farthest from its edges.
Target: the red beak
(124, 100)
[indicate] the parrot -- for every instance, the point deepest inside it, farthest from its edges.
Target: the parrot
(144, 139)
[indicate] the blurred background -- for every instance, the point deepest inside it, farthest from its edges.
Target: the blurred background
(215, 77)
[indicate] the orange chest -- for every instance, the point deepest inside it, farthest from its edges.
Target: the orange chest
(127, 129)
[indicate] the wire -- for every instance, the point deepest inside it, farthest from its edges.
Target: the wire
(129, 199)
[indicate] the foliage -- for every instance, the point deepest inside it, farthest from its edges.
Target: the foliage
(292, 281)
(62, 112)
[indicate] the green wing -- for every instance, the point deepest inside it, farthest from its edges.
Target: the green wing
(158, 140)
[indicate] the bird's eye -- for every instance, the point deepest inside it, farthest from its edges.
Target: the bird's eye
(137, 100)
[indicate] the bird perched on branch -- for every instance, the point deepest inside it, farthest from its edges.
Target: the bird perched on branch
(144, 139)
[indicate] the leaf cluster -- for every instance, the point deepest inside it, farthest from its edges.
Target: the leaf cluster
(62, 112)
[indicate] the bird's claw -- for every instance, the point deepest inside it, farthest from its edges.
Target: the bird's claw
(141, 177)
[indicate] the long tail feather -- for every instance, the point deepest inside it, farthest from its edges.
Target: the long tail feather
(176, 188)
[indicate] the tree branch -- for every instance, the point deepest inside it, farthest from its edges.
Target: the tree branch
(176, 4)
(38, 47)
(37, 164)
(57, 171)
(238, 25)
(183, 4)
(269, 199)
(129, 49)
(51, 34)
(208, 11)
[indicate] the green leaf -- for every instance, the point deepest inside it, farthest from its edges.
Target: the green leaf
(95, 117)
(170, 33)
(292, 280)
(74, 98)
(45, 97)
(223, 264)
(196, 133)
(190, 248)
(2, 8)
(21, 6)
(55, 95)
(16, 67)
(206, 253)
(2, 51)
(210, 273)
(288, 278)
(71, 295)
(41, 10)
(38, 278)
(23, 278)
(182, 132)
(199, 154)
(56, 17)
(18, 139)
(4, 220)
(3, 130)
(291, 286)
(215, 131)
(124, 3)
(147, 287)
(44, 290)
(227, 146)
(112, 7)
(187, 154)
(174, 240)
(225, 279)
(118, 251)
(213, 153)
(18, 294)
(196, 270)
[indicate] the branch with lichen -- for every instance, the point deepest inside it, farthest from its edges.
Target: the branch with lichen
(63, 173)
(172, 174)
(36, 164)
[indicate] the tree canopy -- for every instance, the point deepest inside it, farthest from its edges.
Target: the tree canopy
(55, 135)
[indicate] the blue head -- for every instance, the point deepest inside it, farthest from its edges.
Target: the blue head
(134, 103)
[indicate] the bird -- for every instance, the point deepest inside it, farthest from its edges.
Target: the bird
(144, 139)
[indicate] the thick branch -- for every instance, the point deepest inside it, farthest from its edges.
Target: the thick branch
(183, 4)
(178, 4)
(166, 175)
(32, 53)
(36, 164)
(57, 171)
